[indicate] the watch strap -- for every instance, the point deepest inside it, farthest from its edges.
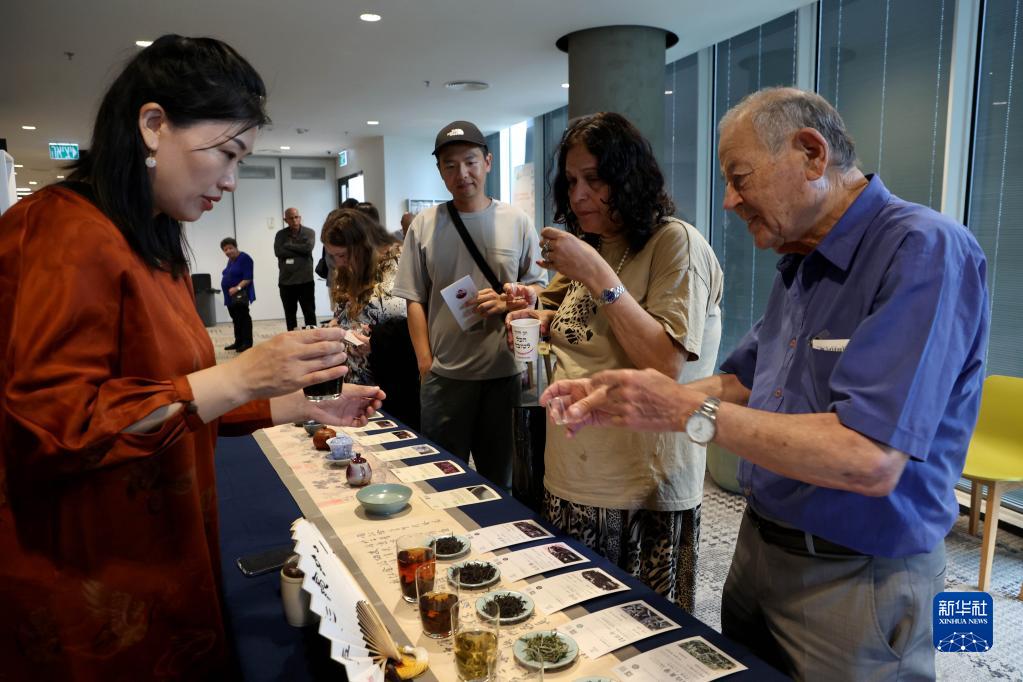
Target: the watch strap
(609, 296)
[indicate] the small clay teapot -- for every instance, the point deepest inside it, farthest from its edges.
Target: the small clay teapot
(321, 436)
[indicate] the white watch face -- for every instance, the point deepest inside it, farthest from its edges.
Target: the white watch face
(700, 428)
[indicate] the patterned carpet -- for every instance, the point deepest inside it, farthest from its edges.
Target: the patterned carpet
(722, 512)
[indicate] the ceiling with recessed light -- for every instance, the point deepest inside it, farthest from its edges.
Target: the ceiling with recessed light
(329, 74)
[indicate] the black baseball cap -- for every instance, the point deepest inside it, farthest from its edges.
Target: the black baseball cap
(459, 131)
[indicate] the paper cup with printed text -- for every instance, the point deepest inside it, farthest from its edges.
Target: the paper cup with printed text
(526, 335)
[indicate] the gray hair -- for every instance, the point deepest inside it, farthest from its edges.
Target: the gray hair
(776, 113)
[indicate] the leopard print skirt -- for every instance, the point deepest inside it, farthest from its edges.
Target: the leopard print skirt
(659, 548)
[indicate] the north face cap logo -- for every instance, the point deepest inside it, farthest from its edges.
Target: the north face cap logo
(455, 131)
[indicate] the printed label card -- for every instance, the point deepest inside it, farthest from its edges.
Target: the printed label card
(424, 472)
(458, 294)
(561, 591)
(376, 425)
(460, 497)
(408, 452)
(507, 534)
(386, 437)
(604, 631)
(526, 562)
(689, 660)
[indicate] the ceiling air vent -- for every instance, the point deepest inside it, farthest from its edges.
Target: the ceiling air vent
(308, 173)
(252, 172)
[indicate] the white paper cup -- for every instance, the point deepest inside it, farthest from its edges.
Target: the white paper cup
(295, 601)
(526, 335)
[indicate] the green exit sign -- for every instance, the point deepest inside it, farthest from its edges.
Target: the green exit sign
(342, 158)
(63, 151)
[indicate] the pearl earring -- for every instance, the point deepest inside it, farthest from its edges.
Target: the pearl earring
(151, 160)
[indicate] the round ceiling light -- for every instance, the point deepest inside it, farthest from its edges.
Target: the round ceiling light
(370, 17)
(466, 85)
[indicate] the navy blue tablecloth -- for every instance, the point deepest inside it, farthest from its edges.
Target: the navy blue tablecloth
(256, 512)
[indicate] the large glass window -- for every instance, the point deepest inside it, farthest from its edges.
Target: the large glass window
(554, 125)
(681, 107)
(759, 58)
(996, 186)
(885, 67)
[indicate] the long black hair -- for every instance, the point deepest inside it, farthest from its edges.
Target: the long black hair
(626, 162)
(194, 80)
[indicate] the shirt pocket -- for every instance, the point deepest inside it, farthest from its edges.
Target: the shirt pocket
(504, 263)
(824, 356)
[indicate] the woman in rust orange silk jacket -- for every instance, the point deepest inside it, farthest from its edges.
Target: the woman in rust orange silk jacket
(110, 401)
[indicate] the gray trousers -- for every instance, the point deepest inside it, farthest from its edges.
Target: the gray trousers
(830, 617)
(476, 415)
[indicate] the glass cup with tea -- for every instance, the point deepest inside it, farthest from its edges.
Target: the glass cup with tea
(324, 390)
(414, 550)
(476, 638)
(437, 592)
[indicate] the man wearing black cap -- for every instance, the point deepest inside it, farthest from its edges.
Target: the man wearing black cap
(469, 379)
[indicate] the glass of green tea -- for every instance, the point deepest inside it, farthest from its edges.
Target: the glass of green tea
(476, 638)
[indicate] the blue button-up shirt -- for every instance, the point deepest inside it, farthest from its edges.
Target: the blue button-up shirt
(885, 323)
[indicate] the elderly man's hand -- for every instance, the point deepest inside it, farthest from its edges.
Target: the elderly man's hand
(642, 400)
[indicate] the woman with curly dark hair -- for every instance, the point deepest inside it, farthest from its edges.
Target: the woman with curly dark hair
(365, 261)
(636, 288)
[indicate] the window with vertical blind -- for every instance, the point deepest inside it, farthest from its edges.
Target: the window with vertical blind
(680, 113)
(493, 185)
(995, 201)
(759, 58)
(554, 124)
(885, 66)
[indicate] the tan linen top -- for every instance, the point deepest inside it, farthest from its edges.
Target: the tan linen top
(677, 279)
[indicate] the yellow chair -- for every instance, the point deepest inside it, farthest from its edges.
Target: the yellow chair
(995, 460)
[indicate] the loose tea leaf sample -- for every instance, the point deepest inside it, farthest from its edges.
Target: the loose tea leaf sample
(449, 545)
(508, 605)
(545, 648)
(477, 572)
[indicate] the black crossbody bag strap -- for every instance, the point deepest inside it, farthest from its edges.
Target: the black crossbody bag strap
(473, 250)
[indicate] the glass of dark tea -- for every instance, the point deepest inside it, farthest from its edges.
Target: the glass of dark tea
(414, 550)
(324, 390)
(437, 592)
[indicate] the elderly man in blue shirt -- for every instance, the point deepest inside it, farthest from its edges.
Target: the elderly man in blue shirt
(851, 401)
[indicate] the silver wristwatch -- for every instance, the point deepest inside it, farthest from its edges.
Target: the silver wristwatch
(609, 296)
(702, 426)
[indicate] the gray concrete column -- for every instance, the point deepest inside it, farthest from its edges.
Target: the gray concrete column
(619, 68)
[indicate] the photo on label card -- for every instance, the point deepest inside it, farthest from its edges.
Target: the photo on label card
(404, 435)
(564, 555)
(707, 655)
(482, 492)
(531, 529)
(382, 424)
(646, 616)
(447, 467)
(601, 580)
(424, 449)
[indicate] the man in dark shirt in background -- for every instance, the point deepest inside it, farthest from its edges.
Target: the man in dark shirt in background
(293, 247)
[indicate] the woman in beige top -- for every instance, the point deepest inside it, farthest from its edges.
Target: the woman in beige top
(636, 289)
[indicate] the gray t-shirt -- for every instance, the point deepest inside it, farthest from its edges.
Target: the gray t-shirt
(434, 257)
